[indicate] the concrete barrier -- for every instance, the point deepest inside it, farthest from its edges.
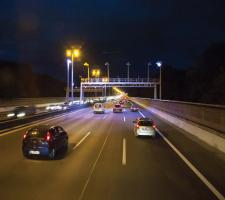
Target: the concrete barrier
(209, 137)
(211, 116)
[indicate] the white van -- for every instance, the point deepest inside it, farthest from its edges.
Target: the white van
(99, 108)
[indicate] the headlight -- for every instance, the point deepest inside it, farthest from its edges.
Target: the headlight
(48, 108)
(11, 115)
(22, 114)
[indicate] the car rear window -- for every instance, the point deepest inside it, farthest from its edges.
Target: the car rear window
(35, 133)
(98, 105)
(145, 123)
(117, 106)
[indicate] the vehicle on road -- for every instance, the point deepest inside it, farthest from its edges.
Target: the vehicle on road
(44, 140)
(117, 108)
(22, 111)
(134, 108)
(144, 127)
(54, 107)
(122, 102)
(99, 108)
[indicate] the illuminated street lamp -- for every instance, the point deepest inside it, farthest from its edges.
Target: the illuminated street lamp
(87, 65)
(159, 64)
(96, 73)
(72, 53)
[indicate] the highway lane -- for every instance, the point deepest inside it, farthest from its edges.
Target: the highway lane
(96, 169)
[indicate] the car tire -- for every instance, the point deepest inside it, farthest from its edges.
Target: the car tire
(25, 155)
(51, 154)
(66, 146)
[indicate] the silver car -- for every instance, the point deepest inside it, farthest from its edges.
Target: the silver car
(144, 127)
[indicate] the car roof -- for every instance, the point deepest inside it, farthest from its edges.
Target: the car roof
(145, 119)
(42, 127)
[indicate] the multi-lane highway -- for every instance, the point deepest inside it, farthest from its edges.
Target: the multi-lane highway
(106, 161)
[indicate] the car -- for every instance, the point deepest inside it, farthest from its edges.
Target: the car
(134, 108)
(122, 102)
(98, 108)
(44, 140)
(117, 108)
(22, 111)
(144, 127)
(54, 107)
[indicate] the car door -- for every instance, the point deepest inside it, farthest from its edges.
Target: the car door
(62, 135)
(55, 137)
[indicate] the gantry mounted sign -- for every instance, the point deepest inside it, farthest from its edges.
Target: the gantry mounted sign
(118, 82)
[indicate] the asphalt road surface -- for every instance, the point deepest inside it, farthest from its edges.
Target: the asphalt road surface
(106, 161)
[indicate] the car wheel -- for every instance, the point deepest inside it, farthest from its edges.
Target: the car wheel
(25, 155)
(65, 147)
(51, 155)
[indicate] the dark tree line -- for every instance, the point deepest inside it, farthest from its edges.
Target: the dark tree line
(204, 82)
(17, 80)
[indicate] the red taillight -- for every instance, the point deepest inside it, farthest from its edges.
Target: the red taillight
(48, 137)
(137, 126)
(24, 136)
(154, 126)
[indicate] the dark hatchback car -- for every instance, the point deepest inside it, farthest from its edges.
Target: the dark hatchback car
(44, 140)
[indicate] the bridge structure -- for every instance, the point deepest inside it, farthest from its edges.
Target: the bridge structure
(104, 83)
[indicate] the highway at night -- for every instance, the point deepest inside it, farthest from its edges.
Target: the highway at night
(106, 161)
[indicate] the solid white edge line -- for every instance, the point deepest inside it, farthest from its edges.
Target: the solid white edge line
(124, 157)
(209, 185)
(19, 128)
(78, 144)
(124, 118)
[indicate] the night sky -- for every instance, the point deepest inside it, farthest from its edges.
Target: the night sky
(117, 31)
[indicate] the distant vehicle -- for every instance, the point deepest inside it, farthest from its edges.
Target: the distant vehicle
(134, 108)
(99, 108)
(44, 140)
(65, 106)
(22, 111)
(54, 107)
(117, 108)
(144, 127)
(121, 102)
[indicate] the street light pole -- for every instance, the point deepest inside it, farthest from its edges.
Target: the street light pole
(107, 65)
(149, 65)
(159, 64)
(68, 82)
(87, 65)
(72, 83)
(72, 53)
(128, 70)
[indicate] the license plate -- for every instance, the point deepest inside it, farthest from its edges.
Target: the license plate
(34, 152)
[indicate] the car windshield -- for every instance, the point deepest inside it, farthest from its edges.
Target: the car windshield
(117, 106)
(145, 123)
